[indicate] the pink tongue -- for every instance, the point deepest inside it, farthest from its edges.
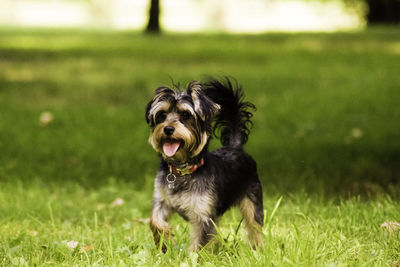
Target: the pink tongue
(170, 148)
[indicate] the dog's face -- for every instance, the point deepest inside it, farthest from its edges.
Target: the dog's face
(180, 122)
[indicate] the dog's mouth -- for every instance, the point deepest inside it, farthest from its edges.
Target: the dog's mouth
(171, 146)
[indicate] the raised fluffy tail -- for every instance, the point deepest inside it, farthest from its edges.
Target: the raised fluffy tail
(233, 122)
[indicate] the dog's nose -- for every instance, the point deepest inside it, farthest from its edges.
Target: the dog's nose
(169, 130)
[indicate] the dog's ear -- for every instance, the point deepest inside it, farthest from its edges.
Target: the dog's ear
(203, 105)
(148, 107)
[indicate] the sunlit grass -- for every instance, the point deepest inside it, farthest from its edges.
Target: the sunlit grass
(73, 143)
(48, 224)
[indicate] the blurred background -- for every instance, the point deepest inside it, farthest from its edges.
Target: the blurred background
(75, 76)
(190, 15)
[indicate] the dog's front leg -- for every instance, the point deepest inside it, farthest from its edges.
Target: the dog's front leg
(159, 222)
(203, 231)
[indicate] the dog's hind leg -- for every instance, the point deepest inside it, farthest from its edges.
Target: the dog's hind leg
(251, 207)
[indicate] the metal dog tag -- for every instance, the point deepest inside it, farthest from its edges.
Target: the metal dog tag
(171, 180)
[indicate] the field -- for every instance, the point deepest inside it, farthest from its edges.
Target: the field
(76, 188)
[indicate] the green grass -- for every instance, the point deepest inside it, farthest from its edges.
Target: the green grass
(325, 137)
(311, 90)
(38, 221)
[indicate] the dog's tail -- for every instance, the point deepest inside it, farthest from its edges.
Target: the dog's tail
(233, 121)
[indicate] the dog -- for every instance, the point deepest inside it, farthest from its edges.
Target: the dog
(197, 184)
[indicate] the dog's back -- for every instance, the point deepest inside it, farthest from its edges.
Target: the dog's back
(237, 171)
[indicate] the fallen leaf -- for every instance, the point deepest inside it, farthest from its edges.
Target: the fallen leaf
(85, 248)
(356, 133)
(117, 202)
(101, 206)
(72, 244)
(390, 226)
(32, 232)
(45, 118)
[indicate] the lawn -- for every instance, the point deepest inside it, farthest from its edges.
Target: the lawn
(326, 137)
(69, 224)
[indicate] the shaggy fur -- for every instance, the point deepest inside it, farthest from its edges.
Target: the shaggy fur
(197, 184)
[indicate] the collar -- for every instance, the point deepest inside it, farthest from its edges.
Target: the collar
(189, 169)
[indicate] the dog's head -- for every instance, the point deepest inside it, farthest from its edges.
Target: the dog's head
(180, 122)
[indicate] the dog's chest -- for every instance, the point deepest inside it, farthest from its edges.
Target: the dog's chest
(192, 205)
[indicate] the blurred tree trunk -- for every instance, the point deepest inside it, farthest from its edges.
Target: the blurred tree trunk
(153, 25)
(383, 11)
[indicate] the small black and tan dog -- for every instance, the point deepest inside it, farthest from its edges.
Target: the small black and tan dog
(197, 184)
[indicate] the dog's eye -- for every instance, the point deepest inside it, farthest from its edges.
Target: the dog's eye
(160, 117)
(185, 115)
